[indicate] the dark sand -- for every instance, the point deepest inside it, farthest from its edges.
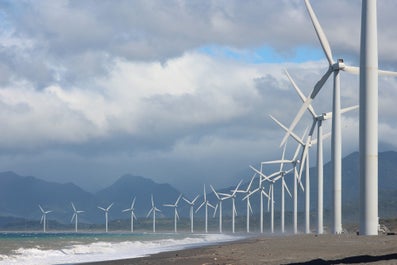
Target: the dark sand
(297, 249)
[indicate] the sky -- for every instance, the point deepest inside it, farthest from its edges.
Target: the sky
(176, 91)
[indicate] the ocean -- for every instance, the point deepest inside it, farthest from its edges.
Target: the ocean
(70, 248)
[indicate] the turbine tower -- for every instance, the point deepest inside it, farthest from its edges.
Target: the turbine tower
(131, 210)
(368, 120)
(43, 219)
(75, 216)
(106, 210)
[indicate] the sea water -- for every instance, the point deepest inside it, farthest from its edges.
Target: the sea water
(71, 248)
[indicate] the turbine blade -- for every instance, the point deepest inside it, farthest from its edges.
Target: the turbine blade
(300, 94)
(216, 194)
(149, 213)
(133, 203)
(249, 207)
(103, 209)
(297, 138)
(74, 215)
(297, 118)
(286, 188)
(201, 205)
(41, 208)
(151, 197)
(320, 33)
(236, 189)
(250, 183)
(74, 208)
(216, 208)
(321, 83)
(177, 200)
(195, 199)
(387, 73)
(110, 206)
(344, 110)
(205, 194)
(351, 69)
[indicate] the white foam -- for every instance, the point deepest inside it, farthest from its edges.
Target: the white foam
(101, 251)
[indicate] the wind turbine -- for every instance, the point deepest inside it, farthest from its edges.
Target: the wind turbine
(247, 197)
(153, 211)
(284, 187)
(75, 216)
(219, 205)
(233, 197)
(106, 210)
(205, 203)
(294, 162)
(191, 203)
(176, 215)
(262, 191)
(131, 210)
(43, 219)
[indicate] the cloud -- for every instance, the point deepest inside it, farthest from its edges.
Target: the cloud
(175, 90)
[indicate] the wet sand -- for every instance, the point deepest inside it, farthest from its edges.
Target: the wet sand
(294, 249)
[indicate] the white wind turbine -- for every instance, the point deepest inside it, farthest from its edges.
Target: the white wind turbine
(205, 203)
(131, 210)
(247, 197)
(336, 145)
(75, 216)
(284, 187)
(368, 136)
(233, 197)
(219, 205)
(294, 162)
(176, 215)
(153, 211)
(261, 189)
(191, 213)
(106, 210)
(43, 219)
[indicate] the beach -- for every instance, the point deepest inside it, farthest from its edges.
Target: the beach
(283, 249)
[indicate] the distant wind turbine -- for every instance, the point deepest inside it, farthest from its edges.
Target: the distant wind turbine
(205, 203)
(219, 205)
(247, 198)
(191, 203)
(233, 197)
(106, 210)
(153, 211)
(176, 215)
(131, 210)
(75, 216)
(44, 218)
(261, 189)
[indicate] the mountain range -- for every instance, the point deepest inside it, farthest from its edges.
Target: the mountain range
(21, 195)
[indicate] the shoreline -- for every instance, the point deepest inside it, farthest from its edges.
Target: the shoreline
(280, 249)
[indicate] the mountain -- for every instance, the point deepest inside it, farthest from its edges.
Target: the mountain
(128, 187)
(20, 195)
